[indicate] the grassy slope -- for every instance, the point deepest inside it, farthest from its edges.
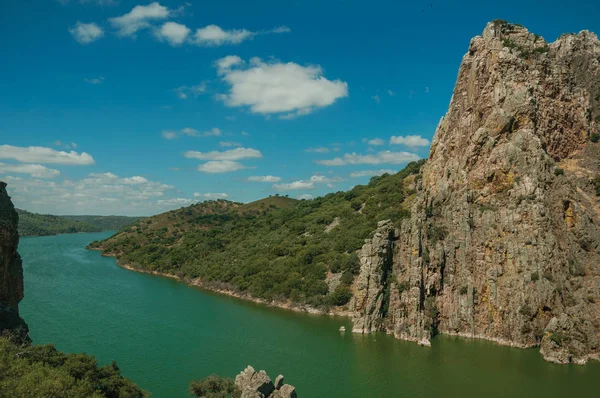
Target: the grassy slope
(32, 224)
(275, 248)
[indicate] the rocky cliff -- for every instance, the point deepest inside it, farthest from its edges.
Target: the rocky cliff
(503, 238)
(11, 269)
(253, 384)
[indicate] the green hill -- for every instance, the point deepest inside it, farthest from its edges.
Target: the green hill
(106, 223)
(33, 224)
(275, 248)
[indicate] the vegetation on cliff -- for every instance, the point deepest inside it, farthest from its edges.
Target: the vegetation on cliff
(43, 371)
(276, 248)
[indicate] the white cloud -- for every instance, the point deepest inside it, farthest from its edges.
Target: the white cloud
(192, 132)
(40, 154)
(85, 33)
(229, 144)
(426, 89)
(175, 34)
(94, 80)
(220, 166)
(391, 93)
(169, 135)
(268, 178)
(302, 184)
(140, 17)
(98, 193)
(175, 202)
(34, 170)
(210, 195)
(376, 98)
(320, 179)
(213, 35)
(275, 87)
(183, 92)
(231, 154)
(376, 142)
(319, 149)
(304, 197)
(97, 2)
(371, 173)
(409, 140)
(377, 158)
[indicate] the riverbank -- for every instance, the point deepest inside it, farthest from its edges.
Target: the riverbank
(198, 283)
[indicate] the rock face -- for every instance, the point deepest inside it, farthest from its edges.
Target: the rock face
(11, 269)
(503, 238)
(255, 384)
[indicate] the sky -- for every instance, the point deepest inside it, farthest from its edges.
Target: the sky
(134, 107)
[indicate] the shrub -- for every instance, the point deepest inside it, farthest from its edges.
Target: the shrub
(535, 276)
(595, 137)
(558, 338)
(558, 171)
(526, 311)
(214, 387)
(464, 290)
(341, 295)
(403, 286)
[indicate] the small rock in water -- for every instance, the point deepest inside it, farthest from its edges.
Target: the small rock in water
(342, 328)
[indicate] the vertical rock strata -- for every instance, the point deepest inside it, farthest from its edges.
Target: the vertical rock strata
(11, 269)
(503, 239)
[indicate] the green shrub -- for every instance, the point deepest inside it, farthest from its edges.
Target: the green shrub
(558, 171)
(214, 387)
(464, 290)
(341, 295)
(595, 137)
(535, 276)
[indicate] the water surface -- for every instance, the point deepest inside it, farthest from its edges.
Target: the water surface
(163, 334)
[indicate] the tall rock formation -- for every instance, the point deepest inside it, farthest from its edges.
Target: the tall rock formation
(11, 269)
(503, 238)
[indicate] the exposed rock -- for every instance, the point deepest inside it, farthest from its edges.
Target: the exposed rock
(372, 287)
(11, 269)
(255, 384)
(503, 238)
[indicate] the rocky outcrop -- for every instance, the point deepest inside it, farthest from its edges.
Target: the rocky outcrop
(255, 384)
(11, 269)
(503, 238)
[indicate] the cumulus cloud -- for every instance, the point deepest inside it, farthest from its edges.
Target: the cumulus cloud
(371, 173)
(210, 195)
(173, 33)
(268, 178)
(34, 170)
(409, 140)
(304, 196)
(277, 88)
(231, 154)
(391, 93)
(228, 144)
(184, 92)
(321, 179)
(376, 142)
(302, 184)
(169, 135)
(383, 157)
(38, 154)
(376, 98)
(98, 193)
(190, 132)
(220, 166)
(213, 35)
(85, 33)
(319, 149)
(94, 80)
(140, 17)
(175, 202)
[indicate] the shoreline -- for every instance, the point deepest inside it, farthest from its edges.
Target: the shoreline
(230, 293)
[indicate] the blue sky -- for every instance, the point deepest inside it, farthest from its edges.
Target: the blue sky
(138, 107)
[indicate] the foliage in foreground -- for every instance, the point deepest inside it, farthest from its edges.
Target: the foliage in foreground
(42, 371)
(214, 387)
(275, 248)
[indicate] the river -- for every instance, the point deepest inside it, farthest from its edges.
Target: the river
(163, 333)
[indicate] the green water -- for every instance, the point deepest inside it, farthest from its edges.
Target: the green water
(163, 334)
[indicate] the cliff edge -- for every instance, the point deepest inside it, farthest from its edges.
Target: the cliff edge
(502, 243)
(11, 269)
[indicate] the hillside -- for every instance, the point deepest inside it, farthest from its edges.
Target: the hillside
(106, 223)
(33, 224)
(275, 249)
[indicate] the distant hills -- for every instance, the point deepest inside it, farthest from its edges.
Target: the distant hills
(33, 224)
